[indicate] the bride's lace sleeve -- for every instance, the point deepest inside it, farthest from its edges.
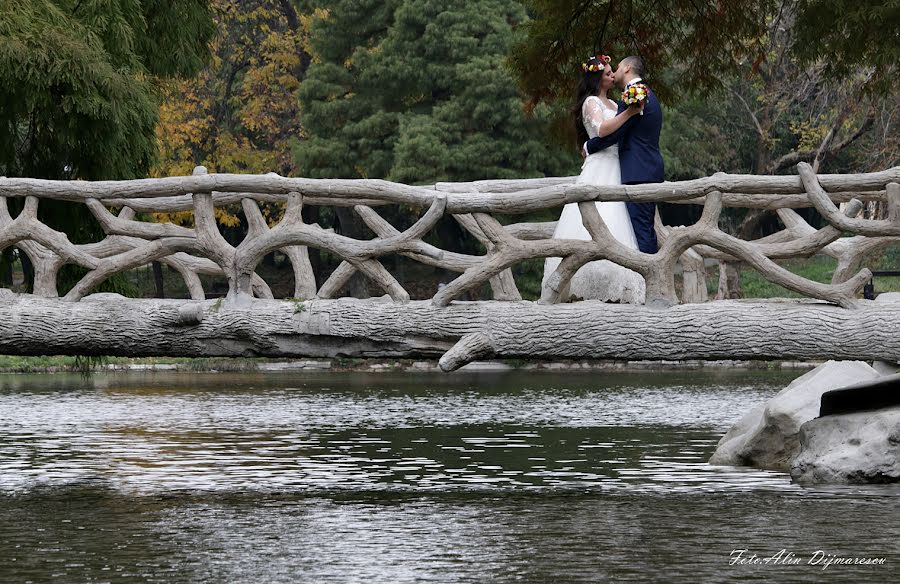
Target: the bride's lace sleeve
(592, 114)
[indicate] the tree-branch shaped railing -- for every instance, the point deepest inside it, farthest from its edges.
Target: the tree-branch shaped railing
(202, 250)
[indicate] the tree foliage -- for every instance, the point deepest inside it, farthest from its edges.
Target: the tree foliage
(79, 91)
(797, 111)
(703, 37)
(241, 112)
(418, 91)
(703, 40)
(79, 81)
(849, 35)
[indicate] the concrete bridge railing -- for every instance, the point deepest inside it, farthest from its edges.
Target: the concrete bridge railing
(130, 243)
(202, 249)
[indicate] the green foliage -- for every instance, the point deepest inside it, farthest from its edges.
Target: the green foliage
(86, 364)
(79, 87)
(175, 42)
(706, 39)
(775, 112)
(77, 83)
(528, 275)
(851, 35)
(69, 104)
(697, 140)
(417, 91)
(15, 364)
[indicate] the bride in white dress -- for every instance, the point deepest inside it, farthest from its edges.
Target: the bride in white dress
(596, 116)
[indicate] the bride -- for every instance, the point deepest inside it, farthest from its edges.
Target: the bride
(595, 115)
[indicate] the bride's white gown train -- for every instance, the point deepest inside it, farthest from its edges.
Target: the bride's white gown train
(602, 279)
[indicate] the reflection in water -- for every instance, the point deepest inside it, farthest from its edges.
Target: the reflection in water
(401, 478)
(172, 432)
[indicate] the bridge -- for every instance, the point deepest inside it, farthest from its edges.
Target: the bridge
(830, 321)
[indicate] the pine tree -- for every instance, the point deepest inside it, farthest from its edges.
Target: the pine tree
(418, 91)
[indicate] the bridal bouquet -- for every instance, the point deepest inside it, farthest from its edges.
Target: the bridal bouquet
(634, 94)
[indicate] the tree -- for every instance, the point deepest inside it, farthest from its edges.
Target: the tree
(793, 112)
(766, 121)
(418, 91)
(241, 112)
(851, 35)
(79, 89)
(704, 38)
(79, 82)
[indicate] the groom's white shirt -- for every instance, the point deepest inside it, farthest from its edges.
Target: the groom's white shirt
(584, 146)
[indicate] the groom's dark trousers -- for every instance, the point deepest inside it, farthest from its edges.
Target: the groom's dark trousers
(641, 162)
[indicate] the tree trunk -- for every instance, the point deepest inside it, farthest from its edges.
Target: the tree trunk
(27, 272)
(729, 281)
(158, 280)
(107, 324)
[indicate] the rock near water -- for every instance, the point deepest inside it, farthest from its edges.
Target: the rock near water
(862, 447)
(768, 436)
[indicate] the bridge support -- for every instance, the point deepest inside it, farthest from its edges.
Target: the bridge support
(105, 324)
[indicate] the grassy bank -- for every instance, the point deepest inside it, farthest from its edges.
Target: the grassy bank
(817, 269)
(52, 364)
(18, 365)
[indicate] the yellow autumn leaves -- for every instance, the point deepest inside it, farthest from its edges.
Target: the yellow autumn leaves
(241, 112)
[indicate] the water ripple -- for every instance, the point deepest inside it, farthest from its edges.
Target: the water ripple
(161, 433)
(360, 478)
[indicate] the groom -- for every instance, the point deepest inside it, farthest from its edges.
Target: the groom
(639, 156)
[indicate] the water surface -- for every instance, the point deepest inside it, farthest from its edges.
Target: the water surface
(469, 477)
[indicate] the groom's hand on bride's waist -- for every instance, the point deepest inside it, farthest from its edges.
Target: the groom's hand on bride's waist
(595, 145)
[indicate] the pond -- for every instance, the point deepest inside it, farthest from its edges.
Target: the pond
(516, 476)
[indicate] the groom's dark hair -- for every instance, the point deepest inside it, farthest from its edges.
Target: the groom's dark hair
(636, 64)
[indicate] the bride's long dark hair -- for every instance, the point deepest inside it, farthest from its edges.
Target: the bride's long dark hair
(588, 86)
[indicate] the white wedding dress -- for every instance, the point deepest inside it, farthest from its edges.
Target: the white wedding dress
(602, 279)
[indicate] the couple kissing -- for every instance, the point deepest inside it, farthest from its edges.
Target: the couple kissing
(620, 142)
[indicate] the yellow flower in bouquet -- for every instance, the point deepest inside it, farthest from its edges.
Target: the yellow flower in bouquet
(635, 94)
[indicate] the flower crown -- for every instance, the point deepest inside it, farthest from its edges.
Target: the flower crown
(598, 64)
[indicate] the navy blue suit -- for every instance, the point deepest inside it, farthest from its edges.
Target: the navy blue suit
(641, 162)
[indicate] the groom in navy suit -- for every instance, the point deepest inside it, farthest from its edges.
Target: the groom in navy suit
(639, 156)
